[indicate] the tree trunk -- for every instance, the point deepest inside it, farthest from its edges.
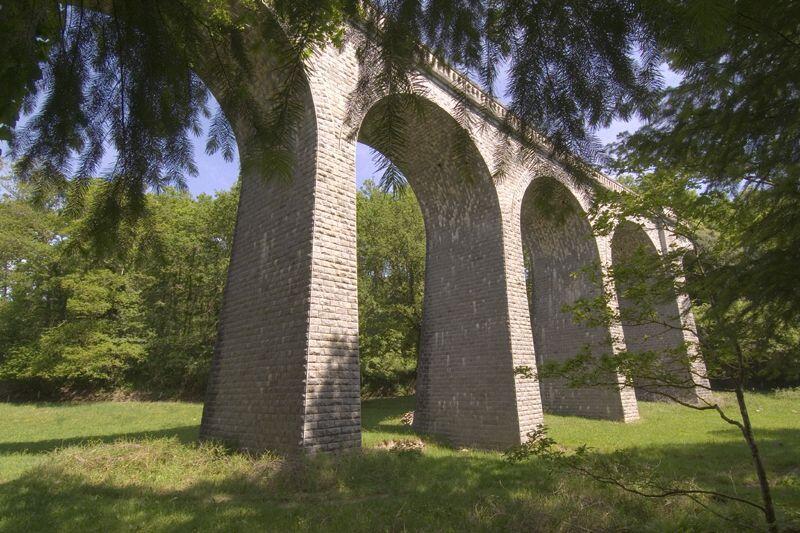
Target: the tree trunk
(6, 271)
(763, 482)
(747, 431)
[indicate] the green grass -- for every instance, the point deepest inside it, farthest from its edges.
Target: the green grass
(136, 466)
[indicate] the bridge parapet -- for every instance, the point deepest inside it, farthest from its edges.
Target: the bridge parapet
(489, 107)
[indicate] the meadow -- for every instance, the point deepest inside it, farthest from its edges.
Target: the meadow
(120, 466)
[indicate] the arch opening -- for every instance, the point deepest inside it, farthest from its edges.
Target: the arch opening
(464, 389)
(391, 278)
(651, 320)
(563, 266)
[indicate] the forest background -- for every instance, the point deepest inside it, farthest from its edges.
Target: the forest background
(142, 320)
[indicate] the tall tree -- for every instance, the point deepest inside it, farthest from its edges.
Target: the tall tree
(28, 299)
(184, 248)
(731, 132)
(737, 337)
(125, 75)
(721, 151)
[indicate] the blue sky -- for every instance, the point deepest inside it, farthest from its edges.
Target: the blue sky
(216, 174)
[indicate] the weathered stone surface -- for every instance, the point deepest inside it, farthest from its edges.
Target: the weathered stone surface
(668, 333)
(561, 245)
(285, 374)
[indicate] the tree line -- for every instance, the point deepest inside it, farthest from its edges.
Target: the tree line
(143, 317)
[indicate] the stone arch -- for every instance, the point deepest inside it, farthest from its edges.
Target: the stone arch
(663, 334)
(257, 393)
(466, 390)
(433, 164)
(566, 265)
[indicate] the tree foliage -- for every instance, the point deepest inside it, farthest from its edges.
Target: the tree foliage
(127, 74)
(721, 151)
(742, 338)
(143, 317)
(124, 77)
(731, 128)
(391, 279)
(721, 148)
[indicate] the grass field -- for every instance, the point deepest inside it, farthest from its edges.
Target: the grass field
(136, 466)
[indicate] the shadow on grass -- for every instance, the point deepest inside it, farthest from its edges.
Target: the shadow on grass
(379, 415)
(188, 489)
(374, 490)
(383, 414)
(367, 491)
(184, 434)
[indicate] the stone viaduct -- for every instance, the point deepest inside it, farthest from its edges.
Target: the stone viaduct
(285, 374)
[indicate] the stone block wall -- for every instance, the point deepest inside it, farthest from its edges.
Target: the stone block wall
(666, 333)
(465, 376)
(285, 374)
(556, 232)
(257, 388)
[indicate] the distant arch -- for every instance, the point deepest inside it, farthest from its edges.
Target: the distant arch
(564, 266)
(660, 334)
